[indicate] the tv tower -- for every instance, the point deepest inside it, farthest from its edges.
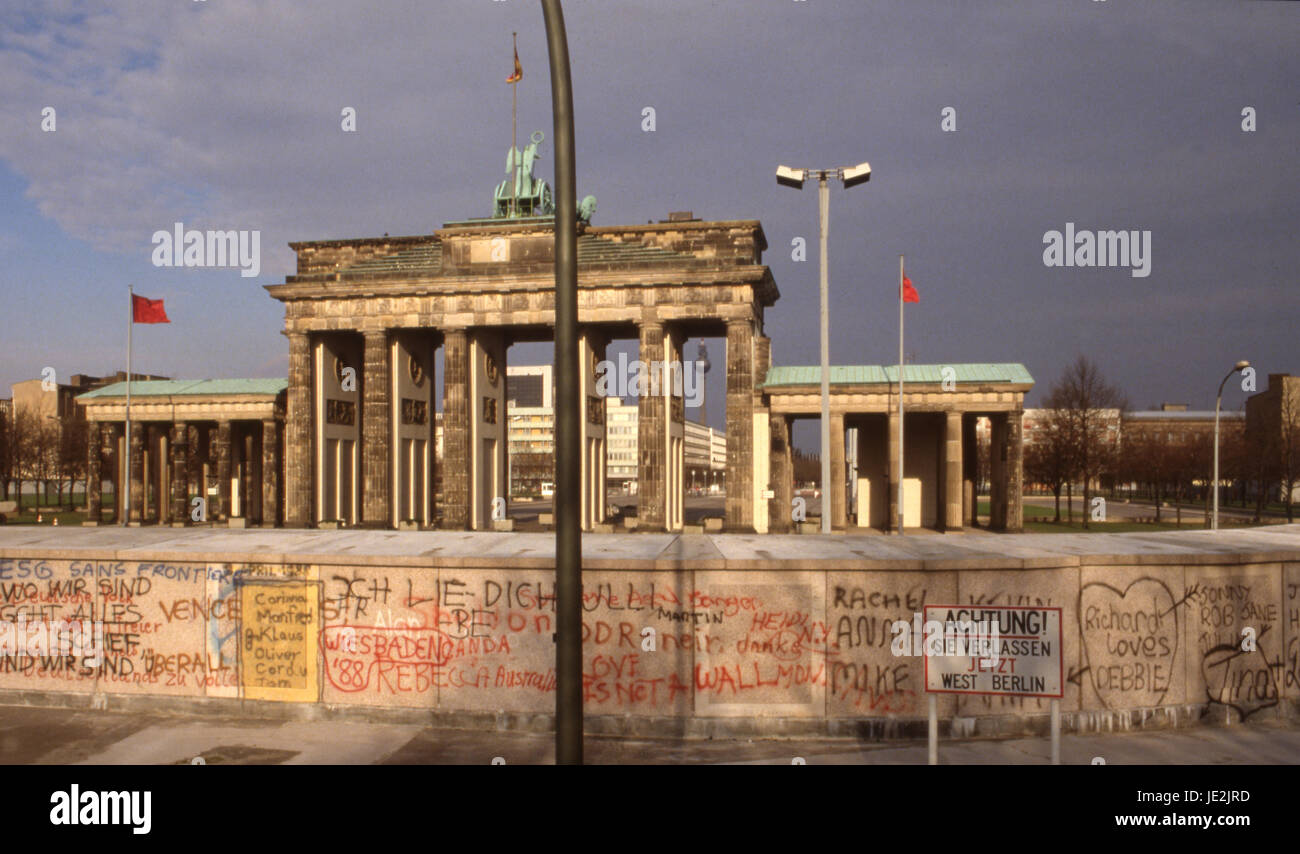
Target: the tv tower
(702, 356)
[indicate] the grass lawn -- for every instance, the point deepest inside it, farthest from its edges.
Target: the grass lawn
(28, 512)
(1033, 509)
(1104, 527)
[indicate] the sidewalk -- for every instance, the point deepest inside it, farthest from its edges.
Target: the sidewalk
(63, 736)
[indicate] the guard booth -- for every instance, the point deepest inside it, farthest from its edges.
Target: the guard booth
(942, 405)
(217, 442)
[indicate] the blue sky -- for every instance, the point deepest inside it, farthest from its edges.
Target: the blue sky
(1112, 115)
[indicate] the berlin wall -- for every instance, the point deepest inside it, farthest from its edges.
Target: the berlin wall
(1146, 642)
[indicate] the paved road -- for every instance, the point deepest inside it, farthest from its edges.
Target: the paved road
(697, 507)
(64, 736)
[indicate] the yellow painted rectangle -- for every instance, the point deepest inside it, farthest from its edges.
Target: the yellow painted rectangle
(277, 644)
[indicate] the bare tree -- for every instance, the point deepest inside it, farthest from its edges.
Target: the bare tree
(1262, 455)
(529, 470)
(1234, 459)
(26, 449)
(1050, 459)
(1288, 447)
(807, 467)
(43, 455)
(74, 437)
(1188, 457)
(6, 452)
(1146, 459)
(1086, 398)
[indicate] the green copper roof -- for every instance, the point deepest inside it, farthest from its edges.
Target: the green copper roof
(189, 388)
(870, 374)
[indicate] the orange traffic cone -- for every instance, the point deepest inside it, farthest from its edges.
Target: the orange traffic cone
(56, 521)
(39, 518)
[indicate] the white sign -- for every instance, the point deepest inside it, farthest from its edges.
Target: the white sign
(1026, 660)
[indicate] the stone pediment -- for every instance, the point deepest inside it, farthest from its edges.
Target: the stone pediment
(481, 245)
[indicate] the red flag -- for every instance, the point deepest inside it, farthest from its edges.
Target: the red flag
(147, 310)
(909, 292)
(519, 70)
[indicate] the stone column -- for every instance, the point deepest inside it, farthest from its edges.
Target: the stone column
(298, 434)
(223, 472)
(160, 450)
(970, 469)
(376, 432)
(591, 351)
(270, 473)
(194, 472)
(998, 472)
(180, 475)
(762, 359)
(782, 502)
(651, 441)
(953, 481)
(675, 441)
(1015, 470)
(892, 465)
(117, 452)
(251, 497)
(94, 473)
(836, 497)
(135, 469)
(148, 457)
(455, 430)
(740, 425)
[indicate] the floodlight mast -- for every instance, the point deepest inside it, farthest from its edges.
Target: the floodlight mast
(851, 176)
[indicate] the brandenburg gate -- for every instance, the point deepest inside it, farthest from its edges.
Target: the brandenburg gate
(365, 318)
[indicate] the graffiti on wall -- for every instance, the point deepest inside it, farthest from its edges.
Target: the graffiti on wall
(867, 679)
(1233, 674)
(1131, 641)
(655, 643)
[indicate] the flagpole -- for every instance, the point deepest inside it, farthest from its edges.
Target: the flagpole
(130, 323)
(514, 145)
(901, 431)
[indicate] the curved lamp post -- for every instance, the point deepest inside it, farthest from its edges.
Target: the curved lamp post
(1218, 401)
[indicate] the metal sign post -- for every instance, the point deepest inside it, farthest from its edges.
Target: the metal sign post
(1026, 658)
(934, 729)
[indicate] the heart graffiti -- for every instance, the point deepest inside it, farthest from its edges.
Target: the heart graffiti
(1130, 640)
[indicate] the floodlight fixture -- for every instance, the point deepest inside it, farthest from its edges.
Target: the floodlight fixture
(791, 177)
(855, 175)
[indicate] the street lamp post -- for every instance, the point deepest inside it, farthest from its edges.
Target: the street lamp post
(851, 176)
(568, 448)
(1218, 401)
